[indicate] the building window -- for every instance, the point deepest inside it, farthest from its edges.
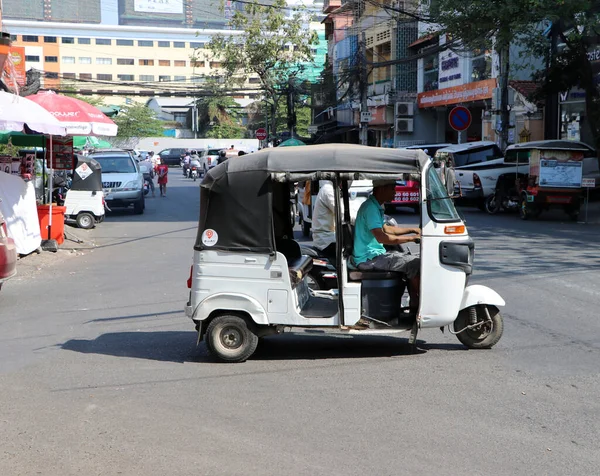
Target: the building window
(164, 62)
(198, 79)
(146, 77)
(179, 44)
(103, 60)
(146, 62)
(32, 59)
(195, 44)
(126, 61)
(51, 59)
(67, 40)
(104, 77)
(30, 39)
(82, 41)
(68, 59)
(481, 65)
(14, 37)
(49, 39)
(125, 77)
(197, 63)
(164, 78)
(85, 76)
(147, 43)
(164, 44)
(430, 72)
(103, 41)
(51, 75)
(124, 42)
(69, 75)
(85, 60)
(215, 64)
(179, 63)
(254, 80)
(179, 78)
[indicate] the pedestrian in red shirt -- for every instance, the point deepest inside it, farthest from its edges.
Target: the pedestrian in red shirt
(162, 170)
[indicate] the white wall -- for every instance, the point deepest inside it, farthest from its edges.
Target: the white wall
(157, 144)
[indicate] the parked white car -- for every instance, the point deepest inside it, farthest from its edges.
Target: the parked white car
(477, 166)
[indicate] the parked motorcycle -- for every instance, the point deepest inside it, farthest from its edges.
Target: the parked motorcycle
(505, 196)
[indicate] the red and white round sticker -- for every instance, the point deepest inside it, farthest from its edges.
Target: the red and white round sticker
(210, 237)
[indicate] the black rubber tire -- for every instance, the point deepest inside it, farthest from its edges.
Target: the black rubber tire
(481, 204)
(491, 205)
(485, 338)
(86, 221)
(229, 338)
(138, 207)
(305, 229)
(315, 283)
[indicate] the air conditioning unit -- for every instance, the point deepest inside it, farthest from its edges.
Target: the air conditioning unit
(404, 125)
(405, 109)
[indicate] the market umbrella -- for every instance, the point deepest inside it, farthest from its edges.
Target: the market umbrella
(79, 142)
(291, 142)
(79, 117)
(19, 114)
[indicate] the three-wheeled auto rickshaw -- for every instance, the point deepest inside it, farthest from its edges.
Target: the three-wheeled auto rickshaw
(249, 278)
(553, 175)
(85, 199)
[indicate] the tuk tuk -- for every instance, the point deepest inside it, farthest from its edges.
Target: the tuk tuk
(84, 201)
(548, 174)
(249, 278)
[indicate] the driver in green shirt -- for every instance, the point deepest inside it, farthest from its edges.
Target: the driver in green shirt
(371, 234)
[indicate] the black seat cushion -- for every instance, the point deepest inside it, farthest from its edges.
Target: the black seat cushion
(358, 275)
(299, 268)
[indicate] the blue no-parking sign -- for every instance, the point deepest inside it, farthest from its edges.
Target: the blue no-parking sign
(460, 118)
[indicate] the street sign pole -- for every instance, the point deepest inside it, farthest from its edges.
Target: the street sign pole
(587, 183)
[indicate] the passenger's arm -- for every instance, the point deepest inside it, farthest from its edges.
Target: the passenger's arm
(390, 239)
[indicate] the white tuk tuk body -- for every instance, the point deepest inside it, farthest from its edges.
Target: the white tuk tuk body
(269, 287)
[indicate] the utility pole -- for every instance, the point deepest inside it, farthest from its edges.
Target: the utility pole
(363, 78)
(504, 106)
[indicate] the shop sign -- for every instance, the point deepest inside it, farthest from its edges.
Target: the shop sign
(14, 74)
(458, 94)
(61, 155)
(449, 69)
(378, 115)
(158, 6)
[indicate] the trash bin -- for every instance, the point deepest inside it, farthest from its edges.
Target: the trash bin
(58, 222)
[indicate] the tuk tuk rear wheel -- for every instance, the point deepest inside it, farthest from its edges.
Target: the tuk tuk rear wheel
(230, 338)
(482, 337)
(85, 220)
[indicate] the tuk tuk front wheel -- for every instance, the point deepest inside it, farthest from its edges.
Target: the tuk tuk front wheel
(480, 331)
(86, 221)
(230, 338)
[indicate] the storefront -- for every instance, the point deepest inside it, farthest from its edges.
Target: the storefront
(436, 105)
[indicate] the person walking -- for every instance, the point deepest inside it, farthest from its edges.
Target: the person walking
(162, 170)
(147, 168)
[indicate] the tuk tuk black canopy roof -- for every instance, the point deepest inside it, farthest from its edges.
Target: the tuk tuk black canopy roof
(87, 175)
(242, 199)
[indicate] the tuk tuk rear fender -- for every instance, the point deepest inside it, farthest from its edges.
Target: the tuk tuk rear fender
(477, 294)
(231, 302)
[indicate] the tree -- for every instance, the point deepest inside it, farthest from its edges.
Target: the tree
(218, 115)
(503, 23)
(271, 46)
(136, 120)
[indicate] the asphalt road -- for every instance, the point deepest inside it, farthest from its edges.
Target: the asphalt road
(100, 372)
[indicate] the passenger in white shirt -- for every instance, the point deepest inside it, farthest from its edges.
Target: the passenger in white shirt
(323, 221)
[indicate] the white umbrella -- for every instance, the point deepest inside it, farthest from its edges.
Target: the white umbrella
(17, 111)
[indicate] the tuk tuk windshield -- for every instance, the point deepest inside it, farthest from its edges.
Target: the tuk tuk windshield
(439, 204)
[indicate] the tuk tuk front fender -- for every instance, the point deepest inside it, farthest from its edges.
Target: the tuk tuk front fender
(231, 302)
(477, 294)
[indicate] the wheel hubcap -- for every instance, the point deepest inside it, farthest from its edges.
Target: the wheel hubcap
(231, 338)
(85, 221)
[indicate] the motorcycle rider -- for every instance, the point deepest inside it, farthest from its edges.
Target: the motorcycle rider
(194, 162)
(186, 163)
(147, 168)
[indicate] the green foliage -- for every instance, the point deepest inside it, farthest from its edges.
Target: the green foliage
(137, 120)
(271, 46)
(219, 115)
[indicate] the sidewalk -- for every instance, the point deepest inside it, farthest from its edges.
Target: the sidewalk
(30, 266)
